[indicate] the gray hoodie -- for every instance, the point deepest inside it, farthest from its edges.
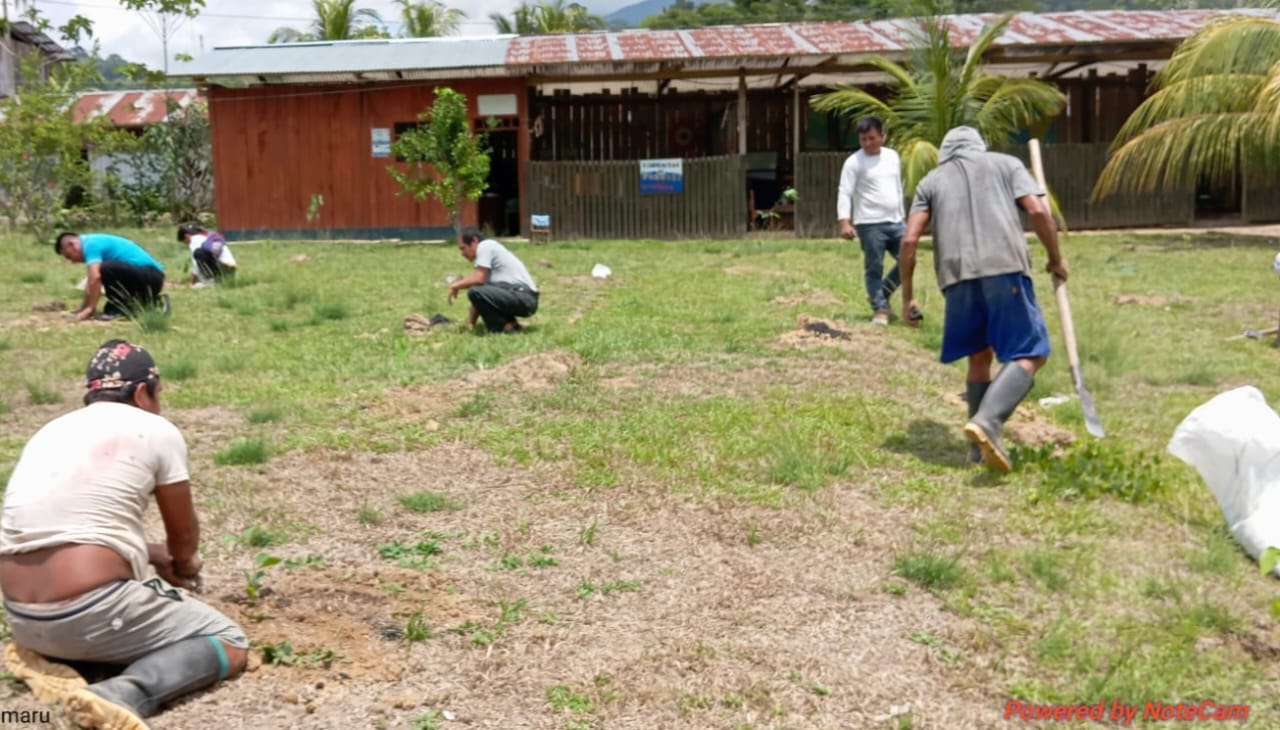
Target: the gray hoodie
(962, 143)
(971, 198)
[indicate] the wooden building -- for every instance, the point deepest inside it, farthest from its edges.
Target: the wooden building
(295, 122)
(17, 42)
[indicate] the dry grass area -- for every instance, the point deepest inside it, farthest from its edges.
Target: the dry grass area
(653, 511)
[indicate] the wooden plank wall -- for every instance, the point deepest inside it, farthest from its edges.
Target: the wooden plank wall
(1097, 106)
(1261, 199)
(633, 125)
(817, 179)
(1070, 170)
(275, 147)
(603, 200)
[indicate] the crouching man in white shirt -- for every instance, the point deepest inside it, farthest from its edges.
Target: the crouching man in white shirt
(80, 581)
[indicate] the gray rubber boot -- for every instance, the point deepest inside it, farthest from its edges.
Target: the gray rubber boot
(1006, 392)
(973, 393)
(145, 686)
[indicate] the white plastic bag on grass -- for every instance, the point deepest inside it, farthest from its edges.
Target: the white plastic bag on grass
(1234, 441)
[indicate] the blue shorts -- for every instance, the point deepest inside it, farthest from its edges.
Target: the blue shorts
(995, 311)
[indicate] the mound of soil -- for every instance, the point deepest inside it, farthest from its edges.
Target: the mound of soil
(814, 298)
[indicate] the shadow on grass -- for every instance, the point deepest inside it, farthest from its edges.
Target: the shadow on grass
(932, 442)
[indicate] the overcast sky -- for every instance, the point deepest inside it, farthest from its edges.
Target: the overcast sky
(239, 22)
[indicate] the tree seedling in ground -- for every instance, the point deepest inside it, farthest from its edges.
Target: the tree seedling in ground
(253, 580)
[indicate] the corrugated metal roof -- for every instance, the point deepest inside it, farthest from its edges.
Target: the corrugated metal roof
(131, 109)
(348, 57)
(851, 37)
(28, 33)
(715, 47)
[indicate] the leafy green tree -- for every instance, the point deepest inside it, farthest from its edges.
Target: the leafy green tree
(42, 148)
(428, 19)
(446, 159)
(555, 16)
(944, 88)
(169, 169)
(1216, 107)
(336, 20)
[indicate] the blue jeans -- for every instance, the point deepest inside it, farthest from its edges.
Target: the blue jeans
(876, 239)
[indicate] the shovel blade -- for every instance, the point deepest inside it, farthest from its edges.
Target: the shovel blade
(1092, 423)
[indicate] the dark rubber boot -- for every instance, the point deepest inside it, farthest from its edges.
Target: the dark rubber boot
(121, 703)
(1006, 392)
(973, 393)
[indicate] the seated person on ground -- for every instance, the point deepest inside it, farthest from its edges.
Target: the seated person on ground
(80, 581)
(117, 267)
(211, 257)
(500, 288)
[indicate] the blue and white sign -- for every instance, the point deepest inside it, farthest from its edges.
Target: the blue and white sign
(662, 176)
(381, 138)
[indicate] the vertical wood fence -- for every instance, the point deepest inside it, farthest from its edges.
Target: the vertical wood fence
(603, 200)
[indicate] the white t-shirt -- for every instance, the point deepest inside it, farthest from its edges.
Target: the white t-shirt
(224, 257)
(87, 478)
(503, 266)
(872, 186)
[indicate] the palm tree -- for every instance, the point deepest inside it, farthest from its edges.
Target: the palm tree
(1216, 108)
(428, 19)
(942, 89)
(543, 18)
(336, 20)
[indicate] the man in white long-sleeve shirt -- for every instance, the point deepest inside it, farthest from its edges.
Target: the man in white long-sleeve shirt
(870, 202)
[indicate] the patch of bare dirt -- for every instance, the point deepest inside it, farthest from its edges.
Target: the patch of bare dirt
(813, 298)
(1151, 300)
(357, 613)
(530, 373)
(657, 626)
(536, 372)
(47, 321)
(53, 305)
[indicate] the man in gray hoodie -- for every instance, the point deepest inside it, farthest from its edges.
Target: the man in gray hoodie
(984, 270)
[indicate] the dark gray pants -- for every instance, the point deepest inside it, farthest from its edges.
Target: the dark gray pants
(499, 304)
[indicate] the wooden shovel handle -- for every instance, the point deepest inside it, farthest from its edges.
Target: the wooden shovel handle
(1059, 286)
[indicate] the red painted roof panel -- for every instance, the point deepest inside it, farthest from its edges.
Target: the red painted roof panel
(851, 37)
(130, 109)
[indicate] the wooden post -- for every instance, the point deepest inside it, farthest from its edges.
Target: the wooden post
(796, 119)
(742, 111)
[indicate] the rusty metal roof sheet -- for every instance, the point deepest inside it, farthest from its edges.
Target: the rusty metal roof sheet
(850, 37)
(715, 48)
(131, 109)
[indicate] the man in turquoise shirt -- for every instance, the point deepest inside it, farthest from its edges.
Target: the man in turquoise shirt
(118, 267)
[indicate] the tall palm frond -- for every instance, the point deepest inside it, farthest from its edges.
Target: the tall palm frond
(1216, 109)
(428, 19)
(336, 20)
(555, 16)
(944, 87)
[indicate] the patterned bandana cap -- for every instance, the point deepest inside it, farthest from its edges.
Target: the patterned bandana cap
(118, 364)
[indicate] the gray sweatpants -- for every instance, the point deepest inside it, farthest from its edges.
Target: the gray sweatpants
(499, 304)
(118, 623)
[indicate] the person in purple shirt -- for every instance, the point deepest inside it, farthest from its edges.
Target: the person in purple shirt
(118, 267)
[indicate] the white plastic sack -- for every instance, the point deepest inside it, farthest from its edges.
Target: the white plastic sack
(1234, 441)
(600, 271)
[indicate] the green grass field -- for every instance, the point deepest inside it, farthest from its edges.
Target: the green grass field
(664, 501)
